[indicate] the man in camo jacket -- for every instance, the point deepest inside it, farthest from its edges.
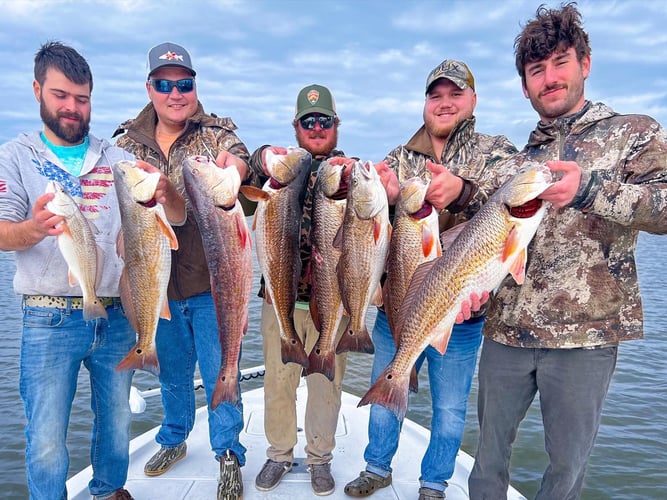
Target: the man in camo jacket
(558, 333)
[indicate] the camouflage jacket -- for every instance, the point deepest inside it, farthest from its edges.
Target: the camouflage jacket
(467, 154)
(203, 135)
(258, 177)
(581, 285)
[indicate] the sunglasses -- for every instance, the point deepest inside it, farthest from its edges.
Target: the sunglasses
(164, 86)
(309, 122)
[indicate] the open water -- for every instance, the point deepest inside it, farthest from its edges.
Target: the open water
(629, 460)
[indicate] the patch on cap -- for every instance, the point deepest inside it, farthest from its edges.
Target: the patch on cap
(169, 54)
(454, 71)
(314, 99)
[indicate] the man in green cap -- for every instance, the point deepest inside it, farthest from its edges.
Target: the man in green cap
(316, 127)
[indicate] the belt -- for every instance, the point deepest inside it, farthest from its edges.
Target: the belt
(64, 302)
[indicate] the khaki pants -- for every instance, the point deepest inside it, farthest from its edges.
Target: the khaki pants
(280, 384)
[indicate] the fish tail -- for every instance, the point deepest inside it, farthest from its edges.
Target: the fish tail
(355, 340)
(389, 390)
(321, 361)
(140, 359)
(93, 310)
(226, 390)
(292, 351)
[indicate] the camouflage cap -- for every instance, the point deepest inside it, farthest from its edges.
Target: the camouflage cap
(455, 71)
(314, 99)
(168, 54)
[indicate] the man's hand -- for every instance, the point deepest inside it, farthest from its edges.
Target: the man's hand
(562, 192)
(226, 159)
(166, 194)
(444, 187)
(389, 181)
(473, 305)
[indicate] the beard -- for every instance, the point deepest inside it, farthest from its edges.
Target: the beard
(304, 140)
(71, 133)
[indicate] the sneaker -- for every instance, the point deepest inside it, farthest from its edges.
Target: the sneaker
(366, 484)
(164, 459)
(121, 494)
(230, 484)
(430, 494)
(271, 474)
(321, 479)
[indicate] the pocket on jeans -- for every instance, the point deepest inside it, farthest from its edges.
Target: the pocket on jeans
(41, 317)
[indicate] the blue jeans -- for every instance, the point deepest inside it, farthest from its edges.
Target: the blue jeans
(191, 336)
(572, 384)
(450, 377)
(54, 344)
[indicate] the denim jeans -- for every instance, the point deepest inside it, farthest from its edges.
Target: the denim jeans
(191, 336)
(572, 384)
(54, 344)
(450, 377)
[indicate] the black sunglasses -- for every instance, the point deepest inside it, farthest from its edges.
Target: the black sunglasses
(164, 86)
(308, 122)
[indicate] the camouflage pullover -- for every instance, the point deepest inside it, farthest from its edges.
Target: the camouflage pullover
(467, 154)
(581, 285)
(203, 135)
(258, 177)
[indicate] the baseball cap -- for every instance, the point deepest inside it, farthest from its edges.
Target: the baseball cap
(314, 99)
(169, 54)
(455, 71)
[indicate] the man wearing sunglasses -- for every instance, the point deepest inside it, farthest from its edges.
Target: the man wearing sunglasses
(172, 127)
(448, 152)
(316, 127)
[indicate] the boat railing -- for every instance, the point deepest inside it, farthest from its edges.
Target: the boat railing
(138, 398)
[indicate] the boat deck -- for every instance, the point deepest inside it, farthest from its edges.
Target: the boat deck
(195, 477)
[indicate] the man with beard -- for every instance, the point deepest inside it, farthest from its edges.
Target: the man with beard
(558, 334)
(316, 127)
(448, 152)
(57, 336)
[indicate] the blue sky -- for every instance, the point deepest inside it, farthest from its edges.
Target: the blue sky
(253, 56)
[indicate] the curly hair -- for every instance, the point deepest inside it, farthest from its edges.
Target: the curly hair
(552, 30)
(66, 60)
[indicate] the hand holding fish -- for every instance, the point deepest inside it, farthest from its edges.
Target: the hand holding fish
(389, 181)
(166, 194)
(444, 188)
(274, 150)
(44, 222)
(226, 159)
(469, 306)
(562, 192)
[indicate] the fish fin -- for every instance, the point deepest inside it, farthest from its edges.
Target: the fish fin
(355, 341)
(377, 298)
(412, 293)
(511, 244)
(442, 339)
(140, 359)
(99, 265)
(71, 278)
(314, 312)
(93, 309)
(338, 239)
(391, 391)
(120, 245)
(165, 313)
(254, 193)
(447, 237)
(292, 351)
(377, 228)
(518, 268)
(321, 361)
(244, 234)
(226, 390)
(166, 229)
(428, 240)
(414, 380)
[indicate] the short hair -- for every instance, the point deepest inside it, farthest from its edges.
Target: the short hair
(66, 60)
(552, 30)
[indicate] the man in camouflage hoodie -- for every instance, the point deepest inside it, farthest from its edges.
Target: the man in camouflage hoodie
(172, 127)
(558, 333)
(447, 151)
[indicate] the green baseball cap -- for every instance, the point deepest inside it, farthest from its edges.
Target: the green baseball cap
(454, 71)
(314, 99)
